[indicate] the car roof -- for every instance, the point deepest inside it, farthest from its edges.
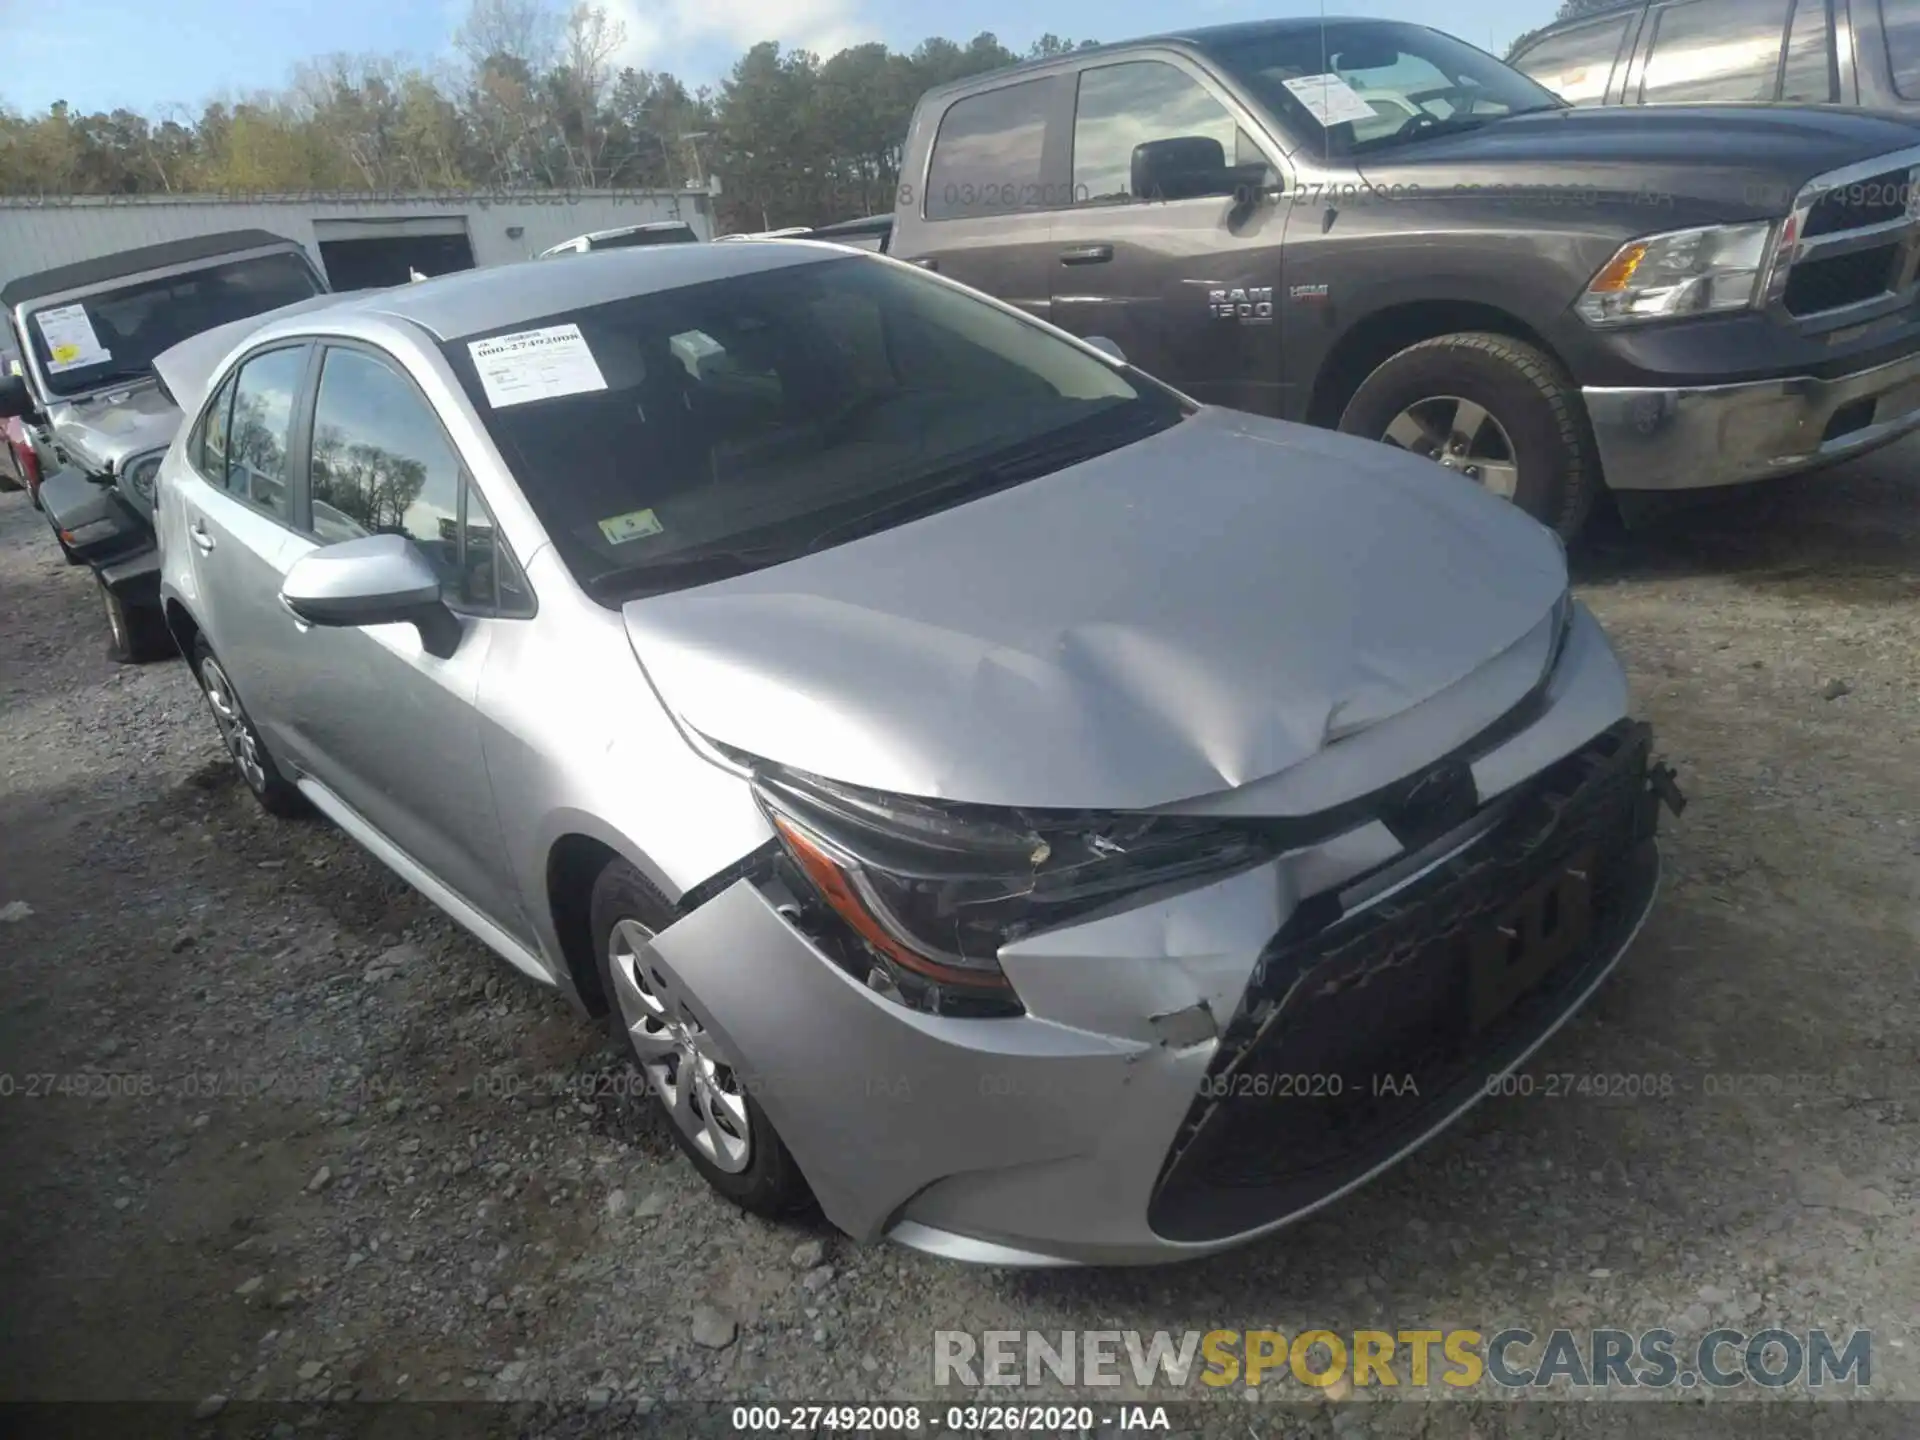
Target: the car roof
(472, 302)
(82, 273)
(1199, 36)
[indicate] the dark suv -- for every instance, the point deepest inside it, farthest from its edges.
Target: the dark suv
(1375, 226)
(1740, 52)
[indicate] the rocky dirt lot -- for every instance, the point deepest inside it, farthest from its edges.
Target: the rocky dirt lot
(270, 1127)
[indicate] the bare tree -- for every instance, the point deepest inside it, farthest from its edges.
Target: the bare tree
(523, 30)
(580, 83)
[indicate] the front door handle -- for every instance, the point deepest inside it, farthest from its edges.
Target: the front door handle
(1086, 255)
(199, 534)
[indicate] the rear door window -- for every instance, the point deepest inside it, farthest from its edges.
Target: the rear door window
(258, 462)
(1716, 52)
(1807, 78)
(989, 156)
(1900, 23)
(1576, 64)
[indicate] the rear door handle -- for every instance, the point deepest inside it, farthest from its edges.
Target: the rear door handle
(200, 536)
(1086, 255)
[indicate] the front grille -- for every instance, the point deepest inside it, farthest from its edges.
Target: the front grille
(1294, 1107)
(1859, 203)
(1836, 280)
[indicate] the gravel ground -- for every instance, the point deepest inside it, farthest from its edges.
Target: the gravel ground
(362, 1159)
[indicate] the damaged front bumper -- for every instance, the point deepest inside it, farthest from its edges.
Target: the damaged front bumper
(1205, 1066)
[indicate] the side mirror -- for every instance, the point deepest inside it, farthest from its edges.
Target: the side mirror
(371, 580)
(16, 401)
(1107, 347)
(1189, 167)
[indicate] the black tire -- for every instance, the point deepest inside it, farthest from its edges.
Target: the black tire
(1526, 391)
(135, 633)
(771, 1184)
(277, 794)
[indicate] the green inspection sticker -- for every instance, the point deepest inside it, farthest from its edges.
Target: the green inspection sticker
(634, 525)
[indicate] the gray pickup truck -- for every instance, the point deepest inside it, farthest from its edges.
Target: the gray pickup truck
(96, 416)
(1375, 226)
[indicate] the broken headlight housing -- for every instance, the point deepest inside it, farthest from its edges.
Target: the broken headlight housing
(137, 478)
(932, 891)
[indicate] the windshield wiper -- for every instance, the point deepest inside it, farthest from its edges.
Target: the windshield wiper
(688, 567)
(1039, 457)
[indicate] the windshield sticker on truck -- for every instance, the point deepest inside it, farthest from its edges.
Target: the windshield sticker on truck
(535, 365)
(71, 343)
(634, 525)
(1329, 99)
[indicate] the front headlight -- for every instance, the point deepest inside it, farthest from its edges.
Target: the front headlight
(933, 891)
(139, 476)
(1684, 272)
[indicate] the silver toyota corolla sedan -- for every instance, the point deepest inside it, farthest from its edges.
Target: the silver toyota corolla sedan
(1040, 818)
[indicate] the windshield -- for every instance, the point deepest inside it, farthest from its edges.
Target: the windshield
(114, 335)
(1374, 83)
(674, 437)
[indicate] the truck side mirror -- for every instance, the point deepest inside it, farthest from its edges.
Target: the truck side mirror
(16, 401)
(1185, 167)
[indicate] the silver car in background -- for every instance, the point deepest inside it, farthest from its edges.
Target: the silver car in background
(1038, 818)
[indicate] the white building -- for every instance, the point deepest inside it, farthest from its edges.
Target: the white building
(358, 240)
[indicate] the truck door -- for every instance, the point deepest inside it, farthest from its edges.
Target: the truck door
(1184, 283)
(998, 163)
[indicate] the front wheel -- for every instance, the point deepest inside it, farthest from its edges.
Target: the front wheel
(277, 794)
(719, 1125)
(1494, 409)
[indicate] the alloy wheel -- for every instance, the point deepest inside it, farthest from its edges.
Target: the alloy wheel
(235, 729)
(1459, 435)
(683, 1064)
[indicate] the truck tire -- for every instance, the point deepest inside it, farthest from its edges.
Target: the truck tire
(135, 633)
(1491, 407)
(712, 1114)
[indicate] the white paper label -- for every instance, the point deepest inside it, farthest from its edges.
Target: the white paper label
(1329, 99)
(535, 365)
(634, 525)
(71, 342)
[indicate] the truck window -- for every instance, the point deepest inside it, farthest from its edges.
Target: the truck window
(1808, 78)
(1576, 64)
(987, 156)
(1715, 52)
(1900, 23)
(1121, 106)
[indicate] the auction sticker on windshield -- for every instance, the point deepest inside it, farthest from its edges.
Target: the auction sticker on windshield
(71, 343)
(634, 525)
(1329, 99)
(535, 365)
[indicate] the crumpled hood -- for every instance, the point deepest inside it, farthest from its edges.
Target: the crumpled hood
(1179, 617)
(103, 432)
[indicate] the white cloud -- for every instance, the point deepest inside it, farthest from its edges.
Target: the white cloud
(659, 31)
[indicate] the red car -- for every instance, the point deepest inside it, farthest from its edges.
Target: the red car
(22, 466)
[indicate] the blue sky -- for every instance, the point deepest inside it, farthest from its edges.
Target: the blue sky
(152, 54)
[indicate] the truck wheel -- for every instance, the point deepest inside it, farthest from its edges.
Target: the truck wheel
(714, 1117)
(135, 633)
(277, 794)
(1493, 408)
